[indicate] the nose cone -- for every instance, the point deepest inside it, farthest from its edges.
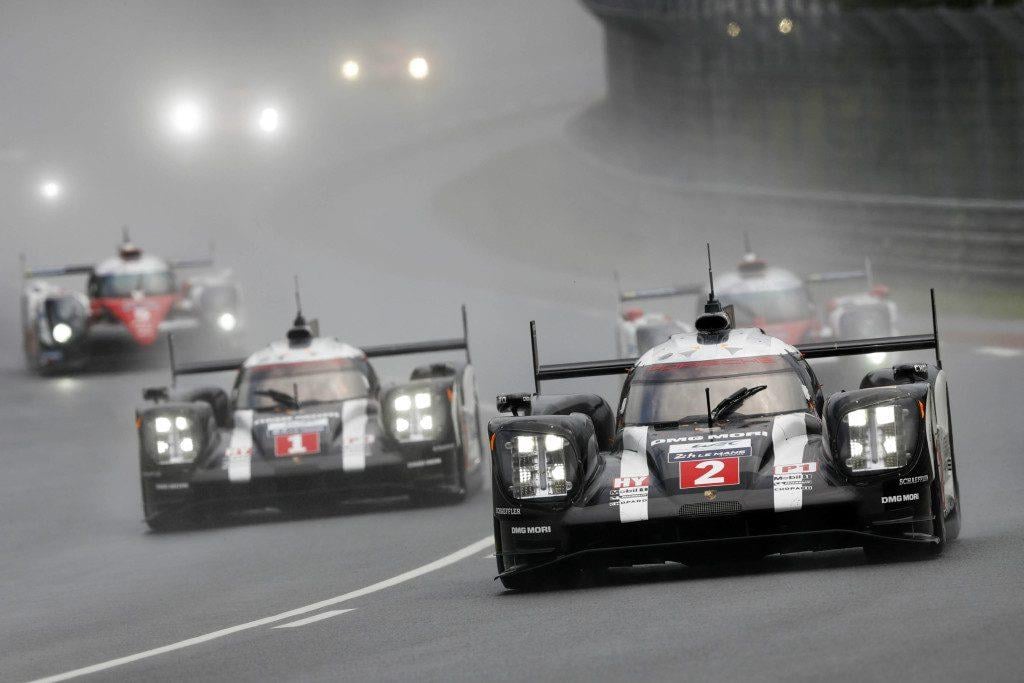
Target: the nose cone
(141, 315)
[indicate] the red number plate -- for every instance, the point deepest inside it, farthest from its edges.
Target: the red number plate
(695, 474)
(296, 444)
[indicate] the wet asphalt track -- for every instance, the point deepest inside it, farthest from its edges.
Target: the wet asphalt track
(83, 582)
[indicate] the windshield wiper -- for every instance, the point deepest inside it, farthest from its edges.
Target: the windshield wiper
(730, 403)
(279, 397)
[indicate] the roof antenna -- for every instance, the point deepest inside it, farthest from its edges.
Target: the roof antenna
(300, 334)
(299, 320)
(746, 242)
(125, 239)
(713, 305)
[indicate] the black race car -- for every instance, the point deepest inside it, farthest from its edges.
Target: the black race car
(722, 445)
(308, 421)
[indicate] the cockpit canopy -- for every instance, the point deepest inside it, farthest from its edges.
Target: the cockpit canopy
(669, 392)
(122, 285)
(306, 383)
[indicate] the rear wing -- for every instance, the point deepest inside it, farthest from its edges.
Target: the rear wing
(457, 344)
(659, 292)
(621, 366)
(844, 275)
(233, 364)
(191, 263)
(59, 271)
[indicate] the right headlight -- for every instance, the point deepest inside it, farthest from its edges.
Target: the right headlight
(540, 465)
(172, 439)
(878, 437)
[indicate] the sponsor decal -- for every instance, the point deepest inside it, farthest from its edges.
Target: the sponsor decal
(796, 468)
(301, 423)
(427, 462)
(907, 481)
(171, 486)
(700, 473)
(630, 482)
(521, 530)
(734, 448)
(904, 498)
(238, 451)
(303, 443)
(710, 494)
(707, 437)
(511, 512)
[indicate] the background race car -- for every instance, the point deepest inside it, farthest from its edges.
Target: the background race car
(132, 296)
(308, 422)
(779, 302)
(723, 445)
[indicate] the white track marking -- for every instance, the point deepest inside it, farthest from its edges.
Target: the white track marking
(999, 351)
(315, 618)
(471, 549)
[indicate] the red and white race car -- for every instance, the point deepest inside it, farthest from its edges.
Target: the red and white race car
(131, 294)
(775, 300)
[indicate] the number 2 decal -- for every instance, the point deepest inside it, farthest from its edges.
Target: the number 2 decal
(701, 473)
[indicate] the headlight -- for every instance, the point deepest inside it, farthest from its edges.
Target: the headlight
(350, 70)
(419, 68)
(227, 321)
(415, 416)
(540, 465)
(174, 441)
(875, 439)
(61, 332)
(876, 358)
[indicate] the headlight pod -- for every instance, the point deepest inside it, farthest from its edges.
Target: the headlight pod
(540, 465)
(415, 413)
(172, 437)
(878, 437)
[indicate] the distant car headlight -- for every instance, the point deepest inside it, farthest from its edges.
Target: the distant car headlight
(539, 464)
(415, 415)
(174, 442)
(876, 438)
(350, 70)
(227, 321)
(876, 358)
(61, 333)
(419, 68)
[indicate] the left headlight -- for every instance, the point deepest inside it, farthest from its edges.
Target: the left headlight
(540, 465)
(172, 439)
(415, 414)
(877, 438)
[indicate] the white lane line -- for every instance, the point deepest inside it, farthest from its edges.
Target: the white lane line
(315, 618)
(487, 557)
(471, 549)
(999, 351)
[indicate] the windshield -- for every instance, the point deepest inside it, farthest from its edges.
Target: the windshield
(675, 391)
(781, 305)
(649, 336)
(865, 322)
(319, 382)
(150, 284)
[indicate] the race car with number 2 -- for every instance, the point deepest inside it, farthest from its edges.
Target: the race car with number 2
(722, 445)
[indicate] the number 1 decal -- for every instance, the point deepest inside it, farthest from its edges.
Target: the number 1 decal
(700, 473)
(296, 444)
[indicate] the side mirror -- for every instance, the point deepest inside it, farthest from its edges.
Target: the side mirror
(517, 404)
(155, 394)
